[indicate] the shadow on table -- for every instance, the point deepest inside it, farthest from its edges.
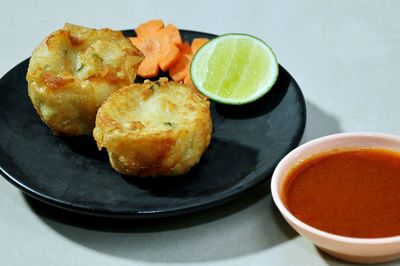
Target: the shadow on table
(248, 225)
(244, 226)
(319, 124)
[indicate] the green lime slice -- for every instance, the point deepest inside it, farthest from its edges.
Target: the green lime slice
(234, 69)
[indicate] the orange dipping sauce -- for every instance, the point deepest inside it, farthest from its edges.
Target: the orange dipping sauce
(353, 193)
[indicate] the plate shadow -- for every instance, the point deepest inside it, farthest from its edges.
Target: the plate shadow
(253, 220)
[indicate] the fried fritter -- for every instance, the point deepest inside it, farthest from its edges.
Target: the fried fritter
(74, 70)
(155, 128)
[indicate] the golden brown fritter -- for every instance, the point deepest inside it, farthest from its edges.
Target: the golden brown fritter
(74, 70)
(155, 128)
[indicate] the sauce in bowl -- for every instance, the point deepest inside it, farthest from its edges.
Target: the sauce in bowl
(354, 193)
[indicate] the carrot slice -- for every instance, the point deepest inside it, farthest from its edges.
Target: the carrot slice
(188, 80)
(150, 47)
(185, 48)
(168, 56)
(170, 34)
(197, 43)
(149, 69)
(149, 28)
(159, 44)
(181, 70)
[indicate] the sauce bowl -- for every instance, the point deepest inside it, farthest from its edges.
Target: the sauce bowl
(358, 250)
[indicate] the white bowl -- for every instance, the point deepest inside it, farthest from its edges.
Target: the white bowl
(359, 250)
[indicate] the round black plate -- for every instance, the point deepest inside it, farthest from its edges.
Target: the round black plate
(247, 143)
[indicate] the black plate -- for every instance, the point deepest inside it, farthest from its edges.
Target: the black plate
(247, 143)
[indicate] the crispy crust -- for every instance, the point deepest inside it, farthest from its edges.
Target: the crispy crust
(155, 128)
(74, 70)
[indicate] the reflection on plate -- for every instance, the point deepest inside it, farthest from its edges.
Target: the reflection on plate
(247, 143)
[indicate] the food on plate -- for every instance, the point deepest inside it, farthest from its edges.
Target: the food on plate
(352, 192)
(180, 71)
(74, 70)
(163, 49)
(234, 69)
(154, 128)
(159, 45)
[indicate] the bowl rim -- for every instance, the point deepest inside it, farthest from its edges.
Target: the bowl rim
(279, 173)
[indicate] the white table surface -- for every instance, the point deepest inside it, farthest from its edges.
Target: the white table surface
(345, 56)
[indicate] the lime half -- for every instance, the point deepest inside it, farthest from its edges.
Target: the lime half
(234, 69)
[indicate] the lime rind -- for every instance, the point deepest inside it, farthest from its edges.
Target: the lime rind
(199, 71)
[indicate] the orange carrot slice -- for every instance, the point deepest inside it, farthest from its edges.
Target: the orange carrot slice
(181, 68)
(149, 28)
(171, 34)
(180, 71)
(168, 56)
(188, 80)
(197, 43)
(159, 46)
